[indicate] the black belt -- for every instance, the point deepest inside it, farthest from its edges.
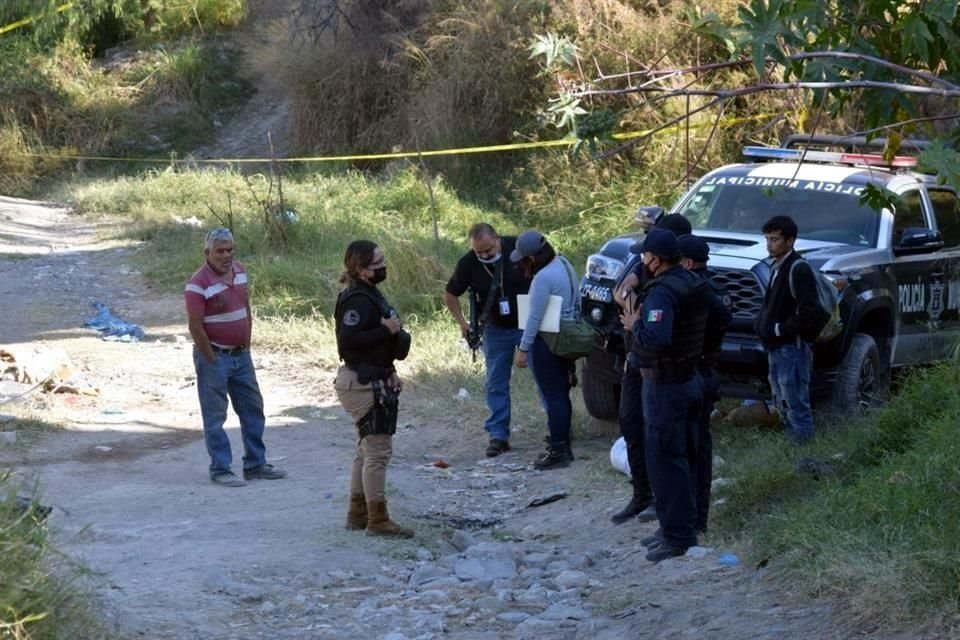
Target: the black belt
(229, 351)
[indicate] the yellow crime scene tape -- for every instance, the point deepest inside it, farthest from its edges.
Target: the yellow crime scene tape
(24, 22)
(518, 146)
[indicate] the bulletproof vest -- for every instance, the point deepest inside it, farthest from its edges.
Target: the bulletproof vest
(689, 320)
(395, 348)
(713, 338)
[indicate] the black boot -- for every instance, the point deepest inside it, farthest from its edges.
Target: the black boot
(636, 505)
(553, 458)
(569, 449)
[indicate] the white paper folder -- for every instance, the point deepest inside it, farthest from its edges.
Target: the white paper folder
(551, 317)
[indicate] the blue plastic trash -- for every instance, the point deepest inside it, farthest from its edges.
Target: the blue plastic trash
(111, 327)
(728, 559)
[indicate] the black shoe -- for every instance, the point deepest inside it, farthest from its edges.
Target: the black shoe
(648, 515)
(633, 508)
(553, 458)
(653, 541)
(664, 551)
(496, 447)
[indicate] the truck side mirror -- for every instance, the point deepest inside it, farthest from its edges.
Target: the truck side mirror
(648, 216)
(918, 240)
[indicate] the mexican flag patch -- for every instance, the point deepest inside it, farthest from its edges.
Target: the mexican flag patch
(655, 315)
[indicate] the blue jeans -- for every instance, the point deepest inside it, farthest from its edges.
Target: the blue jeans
(231, 375)
(671, 415)
(790, 366)
(499, 344)
(552, 375)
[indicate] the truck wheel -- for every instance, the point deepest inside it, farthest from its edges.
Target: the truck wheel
(601, 397)
(861, 382)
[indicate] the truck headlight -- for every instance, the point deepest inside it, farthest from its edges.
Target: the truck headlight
(601, 267)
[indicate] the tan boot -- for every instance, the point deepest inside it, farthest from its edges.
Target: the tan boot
(357, 515)
(380, 524)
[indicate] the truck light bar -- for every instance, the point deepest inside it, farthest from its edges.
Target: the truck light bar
(828, 156)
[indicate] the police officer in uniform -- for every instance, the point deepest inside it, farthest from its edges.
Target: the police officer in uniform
(630, 414)
(370, 337)
(696, 253)
(668, 328)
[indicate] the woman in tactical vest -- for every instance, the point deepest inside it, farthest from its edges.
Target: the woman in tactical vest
(370, 337)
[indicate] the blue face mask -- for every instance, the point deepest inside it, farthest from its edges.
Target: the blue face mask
(495, 259)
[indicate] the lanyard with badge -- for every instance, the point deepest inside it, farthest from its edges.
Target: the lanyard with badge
(503, 303)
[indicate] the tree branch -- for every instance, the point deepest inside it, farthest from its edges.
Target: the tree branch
(774, 86)
(741, 62)
(649, 134)
(887, 127)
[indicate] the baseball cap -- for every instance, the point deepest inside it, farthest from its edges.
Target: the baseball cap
(660, 242)
(694, 248)
(528, 244)
(674, 222)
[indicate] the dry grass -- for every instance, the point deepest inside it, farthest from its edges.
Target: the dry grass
(425, 74)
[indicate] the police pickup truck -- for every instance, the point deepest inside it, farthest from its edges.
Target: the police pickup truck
(897, 269)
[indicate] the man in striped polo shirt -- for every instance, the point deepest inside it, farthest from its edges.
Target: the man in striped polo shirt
(218, 315)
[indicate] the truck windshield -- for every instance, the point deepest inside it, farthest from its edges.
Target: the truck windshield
(825, 211)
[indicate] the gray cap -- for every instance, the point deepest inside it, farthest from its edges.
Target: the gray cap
(529, 244)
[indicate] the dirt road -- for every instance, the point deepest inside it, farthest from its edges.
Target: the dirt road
(176, 557)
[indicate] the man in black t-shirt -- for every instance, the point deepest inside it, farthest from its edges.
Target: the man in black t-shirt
(494, 285)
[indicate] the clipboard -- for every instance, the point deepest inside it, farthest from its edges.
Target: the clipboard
(551, 317)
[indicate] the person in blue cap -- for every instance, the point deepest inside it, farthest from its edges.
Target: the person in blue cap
(630, 411)
(552, 275)
(696, 253)
(635, 279)
(668, 329)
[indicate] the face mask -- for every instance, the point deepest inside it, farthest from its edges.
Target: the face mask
(495, 259)
(379, 275)
(649, 269)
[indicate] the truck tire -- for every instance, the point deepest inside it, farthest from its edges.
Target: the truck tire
(861, 382)
(601, 397)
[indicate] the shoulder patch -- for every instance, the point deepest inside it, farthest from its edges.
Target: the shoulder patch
(655, 315)
(351, 318)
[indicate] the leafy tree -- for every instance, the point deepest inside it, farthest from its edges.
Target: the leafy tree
(882, 67)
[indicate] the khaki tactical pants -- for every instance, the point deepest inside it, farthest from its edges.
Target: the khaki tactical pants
(369, 473)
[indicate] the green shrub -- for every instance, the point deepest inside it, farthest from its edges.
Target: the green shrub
(879, 529)
(39, 598)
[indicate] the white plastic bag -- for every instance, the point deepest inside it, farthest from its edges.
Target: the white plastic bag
(618, 456)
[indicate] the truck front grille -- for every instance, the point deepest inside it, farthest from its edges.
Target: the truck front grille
(745, 291)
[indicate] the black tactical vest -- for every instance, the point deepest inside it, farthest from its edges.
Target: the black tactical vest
(713, 338)
(393, 348)
(689, 322)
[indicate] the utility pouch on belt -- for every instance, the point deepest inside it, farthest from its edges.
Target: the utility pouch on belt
(382, 417)
(367, 373)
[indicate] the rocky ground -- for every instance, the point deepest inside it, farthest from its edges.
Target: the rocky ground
(174, 556)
